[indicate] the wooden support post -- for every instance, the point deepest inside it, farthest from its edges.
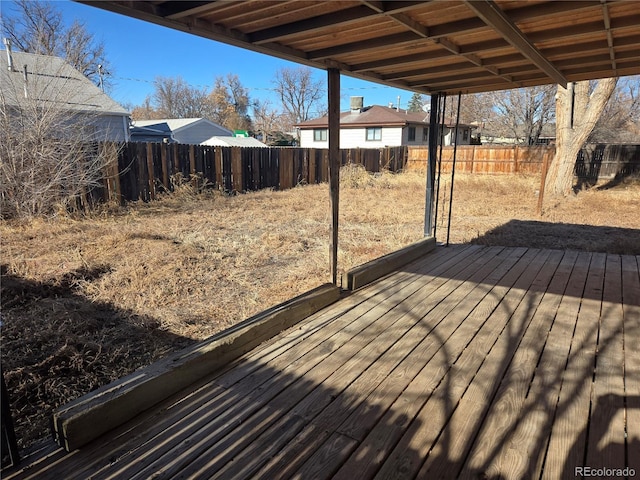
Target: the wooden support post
(431, 164)
(333, 82)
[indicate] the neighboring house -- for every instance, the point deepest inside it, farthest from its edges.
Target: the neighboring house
(191, 131)
(49, 84)
(377, 126)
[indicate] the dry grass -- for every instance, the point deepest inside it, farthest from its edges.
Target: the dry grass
(87, 300)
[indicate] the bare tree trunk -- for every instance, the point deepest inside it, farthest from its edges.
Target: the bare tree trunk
(574, 122)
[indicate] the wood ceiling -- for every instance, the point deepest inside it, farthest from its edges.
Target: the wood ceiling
(424, 46)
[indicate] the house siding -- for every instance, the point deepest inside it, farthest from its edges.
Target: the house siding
(420, 129)
(357, 138)
(391, 137)
(113, 128)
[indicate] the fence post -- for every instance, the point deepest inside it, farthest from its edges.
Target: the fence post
(163, 161)
(151, 172)
(543, 182)
(192, 166)
(236, 169)
(473, 157)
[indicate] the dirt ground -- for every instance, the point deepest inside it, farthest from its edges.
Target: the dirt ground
(86, 300)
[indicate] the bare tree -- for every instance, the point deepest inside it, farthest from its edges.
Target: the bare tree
(271, 125)
(577, 113)
(39, 27)
(229, 102)
(145, 111)
(619, 122)
(300, 94)
(522, 113)
(49, 155)
(173, 97)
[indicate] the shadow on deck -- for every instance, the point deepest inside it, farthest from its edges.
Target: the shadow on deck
(472, 362)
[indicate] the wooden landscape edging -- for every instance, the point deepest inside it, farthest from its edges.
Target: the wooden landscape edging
(370, 271)
(92, 415)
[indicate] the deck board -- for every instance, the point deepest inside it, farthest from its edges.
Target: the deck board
(472, 361)
(631, 309)
(504, 406)
(606, 443)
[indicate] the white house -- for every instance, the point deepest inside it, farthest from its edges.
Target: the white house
(377, 126)
(192, 131)
(48, 84)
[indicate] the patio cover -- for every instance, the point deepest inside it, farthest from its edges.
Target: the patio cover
(424, 46)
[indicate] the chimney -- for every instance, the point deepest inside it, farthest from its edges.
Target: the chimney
(7, 44)
(357, 104)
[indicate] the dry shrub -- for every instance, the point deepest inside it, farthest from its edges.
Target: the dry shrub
(355, 175)
(50, 157)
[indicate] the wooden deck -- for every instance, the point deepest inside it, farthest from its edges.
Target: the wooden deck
(473, 362)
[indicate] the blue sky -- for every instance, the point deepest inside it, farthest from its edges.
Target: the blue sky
(139, 51)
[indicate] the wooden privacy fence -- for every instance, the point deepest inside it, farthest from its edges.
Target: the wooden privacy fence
(486, 159)
(594, 162)
(143, 169)
(600, 161)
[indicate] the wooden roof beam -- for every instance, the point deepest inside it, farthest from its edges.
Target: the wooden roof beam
(310, 25)
(398, 61)
(477, 61)
(426, 71)
(175, 10)
(363, 45)
(607, 26)
(392, 7)
(491, 14)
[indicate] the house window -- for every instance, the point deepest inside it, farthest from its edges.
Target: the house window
(374, 133)
(319, 134)
(425, 134)
(465, 134)
(412, 134)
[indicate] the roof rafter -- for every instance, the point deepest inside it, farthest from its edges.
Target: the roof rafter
(607, 26)
(355, 14)
(491, 14)
(175, 10)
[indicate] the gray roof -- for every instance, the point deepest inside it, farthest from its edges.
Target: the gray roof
(52, 80)
(177, 124)
(224, 141)
(375, 115)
